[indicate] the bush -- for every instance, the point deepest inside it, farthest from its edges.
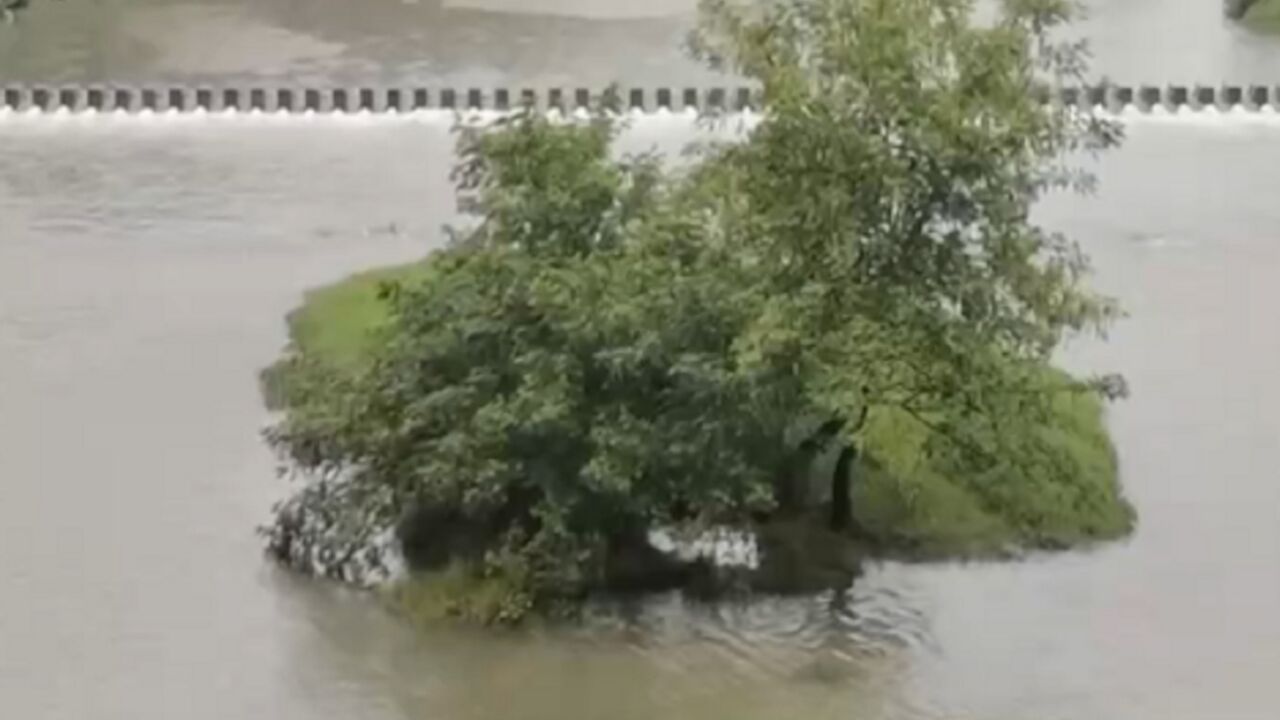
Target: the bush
(613, 348)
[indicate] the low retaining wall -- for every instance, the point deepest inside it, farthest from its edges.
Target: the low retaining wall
(387, 99)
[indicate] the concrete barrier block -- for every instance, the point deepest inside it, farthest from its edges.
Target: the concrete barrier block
(501, 99)
(1148, 97)
(204, 99)
(231, 99)
(1231, 95)
(16, 98)
(68, 99)
(1114, 101)
(41, 99)
(449, 98)
(394, 100)
(635, 99)
(1176, 96)
(95, 98)
(71, 98)
(339, 101)
(475, 99)
(123, 99)
(286, 100)
(581, 98)
(1204, 97)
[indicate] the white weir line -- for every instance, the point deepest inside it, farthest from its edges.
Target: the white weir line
(1159, 114)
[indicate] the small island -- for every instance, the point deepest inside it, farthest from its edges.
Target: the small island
(828, 341)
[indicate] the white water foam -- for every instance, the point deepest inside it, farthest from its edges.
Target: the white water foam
(1202, 117)
(200, 115)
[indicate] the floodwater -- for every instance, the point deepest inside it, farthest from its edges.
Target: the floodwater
(146, 264)
(514, 43)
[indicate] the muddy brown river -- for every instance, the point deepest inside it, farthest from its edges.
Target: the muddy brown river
(146, 265)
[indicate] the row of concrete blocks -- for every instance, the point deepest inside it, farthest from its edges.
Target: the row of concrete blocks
(75, 99)
(1146, 97)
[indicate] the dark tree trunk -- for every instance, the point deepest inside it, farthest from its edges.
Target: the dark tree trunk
(786, 491)
(841, 505)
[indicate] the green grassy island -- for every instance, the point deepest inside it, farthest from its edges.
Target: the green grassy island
(834, 336)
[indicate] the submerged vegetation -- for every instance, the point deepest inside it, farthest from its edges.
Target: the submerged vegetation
(854, 290)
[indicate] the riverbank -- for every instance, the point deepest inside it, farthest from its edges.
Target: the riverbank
(908, 501)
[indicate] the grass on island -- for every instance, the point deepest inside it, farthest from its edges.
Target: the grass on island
(1263, 16)
(906, 502)
(338, 322)
(911, 503)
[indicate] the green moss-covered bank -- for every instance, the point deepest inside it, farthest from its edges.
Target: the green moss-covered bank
(910, 499)
(336, 324)
(1263, 16)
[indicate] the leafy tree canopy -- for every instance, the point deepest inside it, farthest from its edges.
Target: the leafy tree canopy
(615, 346)
(9, 8)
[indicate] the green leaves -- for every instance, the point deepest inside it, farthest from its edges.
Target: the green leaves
(9, 9)
(549, 190)
(611, 347)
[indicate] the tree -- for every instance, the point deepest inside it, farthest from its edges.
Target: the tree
(9, 8)
(889, 192)
(615, 347)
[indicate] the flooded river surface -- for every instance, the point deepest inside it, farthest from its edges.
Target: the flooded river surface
(146, 265)
(515, 43)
